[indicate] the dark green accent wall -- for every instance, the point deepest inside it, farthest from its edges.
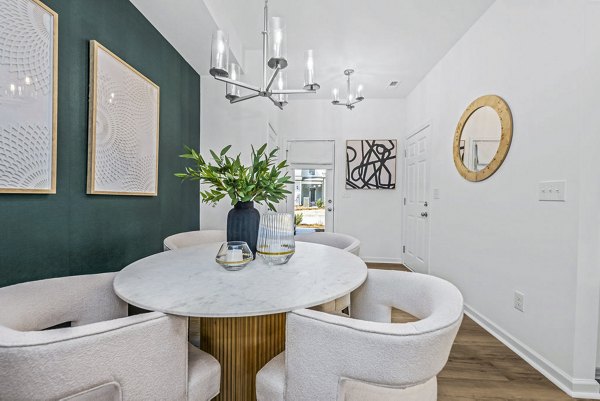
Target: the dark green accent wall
(73, 233)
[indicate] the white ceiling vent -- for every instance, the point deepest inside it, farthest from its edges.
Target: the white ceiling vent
(393, 84)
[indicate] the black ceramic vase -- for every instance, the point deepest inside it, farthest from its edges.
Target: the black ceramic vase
(242, 224)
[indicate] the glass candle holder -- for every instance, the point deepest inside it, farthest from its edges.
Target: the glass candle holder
(219, 55)
(281, 85)
(277, 44)
(336, 96)
(233, 91)
(276, 244)
(234, 255)
(359, 93)
(309, 72)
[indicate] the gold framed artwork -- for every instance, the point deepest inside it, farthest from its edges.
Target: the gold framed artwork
(28, 97)
(123, 127)
(482, 138)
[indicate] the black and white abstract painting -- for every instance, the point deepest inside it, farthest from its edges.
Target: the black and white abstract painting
(371, 164)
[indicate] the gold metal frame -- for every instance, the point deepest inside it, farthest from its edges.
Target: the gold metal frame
(506, 123)
(91, 173)
(52, 189)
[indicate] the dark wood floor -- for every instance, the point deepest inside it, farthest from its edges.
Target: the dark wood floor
(481, 368)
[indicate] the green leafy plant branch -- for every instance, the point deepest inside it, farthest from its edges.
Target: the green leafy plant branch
(263, 182)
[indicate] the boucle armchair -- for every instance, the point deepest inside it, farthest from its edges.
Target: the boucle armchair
(192, 238)
(336, 240)
(104, 355)
(340, 241)
(334, 358)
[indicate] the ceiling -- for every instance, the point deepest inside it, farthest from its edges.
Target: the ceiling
(383, 40)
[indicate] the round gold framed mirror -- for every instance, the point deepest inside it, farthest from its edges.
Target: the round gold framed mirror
(482, 138)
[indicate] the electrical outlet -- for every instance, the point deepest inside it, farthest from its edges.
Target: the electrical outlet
(519, 301)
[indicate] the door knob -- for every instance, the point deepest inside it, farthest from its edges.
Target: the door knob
(424, 214)
(330, 209)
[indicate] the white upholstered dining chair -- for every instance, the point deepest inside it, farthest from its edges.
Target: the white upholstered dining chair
(192, 238)
(366, 358)
(104, 354)
(340, 241)
(336, 240)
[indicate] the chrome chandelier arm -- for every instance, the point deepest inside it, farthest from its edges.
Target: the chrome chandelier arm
(276, 103)
(242, 98)
(238, 83)
(292, 91)
(270, 83)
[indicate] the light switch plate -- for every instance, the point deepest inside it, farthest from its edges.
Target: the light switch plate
(553, 191)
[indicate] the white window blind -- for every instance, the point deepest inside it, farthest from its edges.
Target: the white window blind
(305, 154)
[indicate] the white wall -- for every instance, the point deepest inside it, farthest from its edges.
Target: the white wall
(494, 237)
(358, 213)
(588, 272)
(373, 216)
(240, 125)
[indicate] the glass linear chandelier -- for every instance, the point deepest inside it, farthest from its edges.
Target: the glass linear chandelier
(274, 56)
(351, 99)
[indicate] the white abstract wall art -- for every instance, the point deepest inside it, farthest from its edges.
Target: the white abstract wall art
(28, 97)
(371, 164)
(123, 131)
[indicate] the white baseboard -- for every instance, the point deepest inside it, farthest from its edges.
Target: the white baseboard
(376, 259)
(574, 387)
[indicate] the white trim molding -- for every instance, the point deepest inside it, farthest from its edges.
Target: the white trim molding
(377, 259)
(574, 387)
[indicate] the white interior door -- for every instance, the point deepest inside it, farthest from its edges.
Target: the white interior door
(416, 200)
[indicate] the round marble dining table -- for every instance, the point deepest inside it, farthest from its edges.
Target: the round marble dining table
(242, 313)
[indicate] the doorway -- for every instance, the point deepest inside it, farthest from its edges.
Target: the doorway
(416, 201)
(312, 196)
(313, 205)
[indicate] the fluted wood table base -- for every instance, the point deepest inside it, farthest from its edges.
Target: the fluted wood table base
(242, 345)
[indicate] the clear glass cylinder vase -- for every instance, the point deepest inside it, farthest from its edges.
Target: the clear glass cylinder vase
(276, 244)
